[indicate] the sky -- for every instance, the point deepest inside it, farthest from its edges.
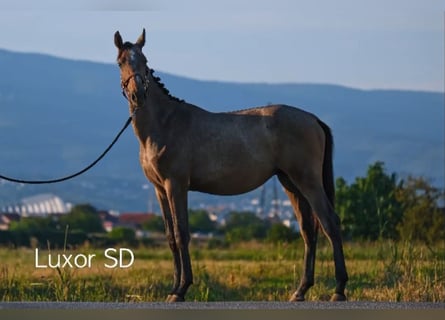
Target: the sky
(378, 44)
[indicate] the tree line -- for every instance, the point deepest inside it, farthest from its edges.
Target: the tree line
(382, 206)
(373, 207)
(82, 224)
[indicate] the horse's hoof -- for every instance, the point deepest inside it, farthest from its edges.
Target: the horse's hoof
(174, 298)
(338, 297)
(296, 298)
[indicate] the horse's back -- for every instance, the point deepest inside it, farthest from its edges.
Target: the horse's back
(283, 114)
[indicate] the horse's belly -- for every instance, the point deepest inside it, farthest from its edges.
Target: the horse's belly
(231, 183)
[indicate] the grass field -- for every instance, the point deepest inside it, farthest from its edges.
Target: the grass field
(383, 271)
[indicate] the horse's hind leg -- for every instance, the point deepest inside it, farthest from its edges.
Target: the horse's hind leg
(330, 224)
(309, 232)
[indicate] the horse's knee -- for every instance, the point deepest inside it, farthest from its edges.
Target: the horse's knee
(171, 241)
(181, 239)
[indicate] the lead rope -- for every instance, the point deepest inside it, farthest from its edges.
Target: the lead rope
(77, 173)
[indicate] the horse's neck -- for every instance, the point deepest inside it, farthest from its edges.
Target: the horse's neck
(152, 118)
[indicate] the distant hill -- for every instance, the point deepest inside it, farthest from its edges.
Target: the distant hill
(57, 115)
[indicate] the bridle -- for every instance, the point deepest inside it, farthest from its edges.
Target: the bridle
(145, 82)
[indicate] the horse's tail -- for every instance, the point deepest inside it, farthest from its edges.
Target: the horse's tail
(328, 169)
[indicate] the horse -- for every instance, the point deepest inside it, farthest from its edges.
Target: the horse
(183, 147)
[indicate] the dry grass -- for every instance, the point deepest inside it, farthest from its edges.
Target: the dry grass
(258, 272)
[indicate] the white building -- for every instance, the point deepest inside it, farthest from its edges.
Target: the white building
(39, 205)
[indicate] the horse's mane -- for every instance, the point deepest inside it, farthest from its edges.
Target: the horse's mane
(162, 86)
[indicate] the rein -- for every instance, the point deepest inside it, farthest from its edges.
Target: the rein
(124, 85)
(127, 123)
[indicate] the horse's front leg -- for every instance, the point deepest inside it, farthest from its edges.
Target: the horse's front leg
(169, 231)
(177, 199)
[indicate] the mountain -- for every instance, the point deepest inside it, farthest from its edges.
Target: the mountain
(58, 115)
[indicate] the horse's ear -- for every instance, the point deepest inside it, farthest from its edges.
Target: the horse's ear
(141, 40)
(118, 40)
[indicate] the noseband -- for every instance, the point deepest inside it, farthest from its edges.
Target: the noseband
(124, 84)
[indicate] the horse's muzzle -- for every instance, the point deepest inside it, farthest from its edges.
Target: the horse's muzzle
(138, 96)
(135, 97)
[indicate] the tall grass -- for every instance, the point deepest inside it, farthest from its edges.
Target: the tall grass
(382, 271)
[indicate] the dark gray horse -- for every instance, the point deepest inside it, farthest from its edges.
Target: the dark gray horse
(184, 147)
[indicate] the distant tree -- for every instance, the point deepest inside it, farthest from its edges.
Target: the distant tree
(122, 235)
(422, 220)
(31, 225)
(368, 207)
(45, 231)
(155, 224)
(244, 226)
(83, 217)
(199, 221)
(278, 232)
(346, 206)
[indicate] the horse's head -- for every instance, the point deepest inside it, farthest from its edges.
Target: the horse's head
(133, 68)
